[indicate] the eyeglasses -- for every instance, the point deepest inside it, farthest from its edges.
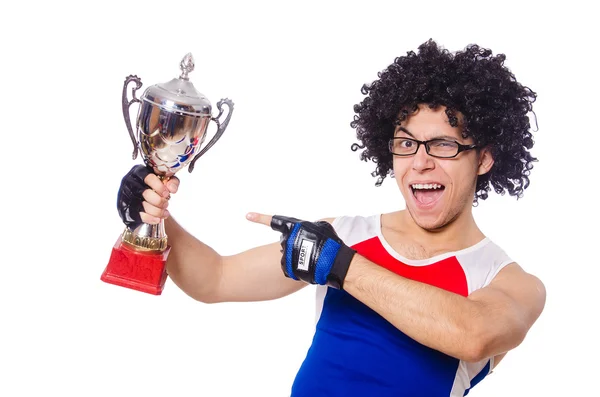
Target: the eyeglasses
(441, 148)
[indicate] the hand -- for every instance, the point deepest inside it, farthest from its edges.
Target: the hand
(312, 251)
(143, 197)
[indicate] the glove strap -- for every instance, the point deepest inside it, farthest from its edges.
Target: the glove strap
(340, 266)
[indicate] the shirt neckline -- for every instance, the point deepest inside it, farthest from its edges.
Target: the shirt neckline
(422, 262)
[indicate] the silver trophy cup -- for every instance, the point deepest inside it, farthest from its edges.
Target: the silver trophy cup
(171, 127)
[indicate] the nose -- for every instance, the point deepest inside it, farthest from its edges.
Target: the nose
(422, 161)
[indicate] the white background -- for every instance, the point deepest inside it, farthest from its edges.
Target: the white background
(294, 71)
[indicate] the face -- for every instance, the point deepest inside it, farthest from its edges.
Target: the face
(437, 191)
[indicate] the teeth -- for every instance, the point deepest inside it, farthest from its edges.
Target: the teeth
(426, 186)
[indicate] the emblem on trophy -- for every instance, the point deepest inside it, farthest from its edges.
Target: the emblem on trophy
(171, 126)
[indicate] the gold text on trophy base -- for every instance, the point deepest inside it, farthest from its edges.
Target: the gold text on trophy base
(144, 243)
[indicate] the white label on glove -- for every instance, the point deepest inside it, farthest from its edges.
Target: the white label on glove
(305, 252)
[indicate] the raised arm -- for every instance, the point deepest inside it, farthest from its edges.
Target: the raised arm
(195, 267)
(203, 274)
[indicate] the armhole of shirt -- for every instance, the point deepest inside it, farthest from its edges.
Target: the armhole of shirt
(482, 265)
(342, 226)
(505, 262)
(336, 222)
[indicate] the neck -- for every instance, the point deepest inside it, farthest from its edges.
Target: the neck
(460, 232)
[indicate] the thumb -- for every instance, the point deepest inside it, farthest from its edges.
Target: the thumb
(173, 184)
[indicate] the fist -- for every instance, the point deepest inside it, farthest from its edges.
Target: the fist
(312, 251)
(143, 197)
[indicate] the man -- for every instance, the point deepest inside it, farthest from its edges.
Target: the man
(417, 302)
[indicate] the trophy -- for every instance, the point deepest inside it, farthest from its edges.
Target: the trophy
(171, 127)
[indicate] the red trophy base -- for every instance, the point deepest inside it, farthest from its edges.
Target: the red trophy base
(138, 270)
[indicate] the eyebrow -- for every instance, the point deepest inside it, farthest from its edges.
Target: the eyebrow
(405, 131)
(449, 137)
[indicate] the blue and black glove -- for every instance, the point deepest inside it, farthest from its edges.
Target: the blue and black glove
(312, 251)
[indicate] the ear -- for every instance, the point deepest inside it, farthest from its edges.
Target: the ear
(486, 161)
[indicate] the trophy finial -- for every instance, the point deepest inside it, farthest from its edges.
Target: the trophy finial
(186, 65)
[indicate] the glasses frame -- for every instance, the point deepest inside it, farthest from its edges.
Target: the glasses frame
(461, 147)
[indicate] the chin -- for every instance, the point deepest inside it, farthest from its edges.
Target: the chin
(431, 216)
(431, 222)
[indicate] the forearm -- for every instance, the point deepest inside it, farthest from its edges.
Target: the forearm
(442, 320)
(193, 266)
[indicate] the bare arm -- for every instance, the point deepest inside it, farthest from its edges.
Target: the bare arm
(489, 322)
(203, 274)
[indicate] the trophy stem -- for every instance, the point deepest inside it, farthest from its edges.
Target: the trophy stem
(146, 237)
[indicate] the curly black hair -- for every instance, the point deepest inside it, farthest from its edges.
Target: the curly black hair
(472, 83)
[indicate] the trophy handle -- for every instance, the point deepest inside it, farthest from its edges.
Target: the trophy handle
(127, 104)
(221, 128)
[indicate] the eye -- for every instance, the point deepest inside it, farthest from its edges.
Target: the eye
(404, 146)
(405, 143)
(444, 144)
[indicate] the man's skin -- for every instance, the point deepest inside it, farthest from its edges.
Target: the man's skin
(489, 322)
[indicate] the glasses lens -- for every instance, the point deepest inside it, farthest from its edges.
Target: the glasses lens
(443, 148)
(403, 146)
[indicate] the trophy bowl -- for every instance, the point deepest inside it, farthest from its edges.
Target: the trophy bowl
(172, 122)
(171, 127)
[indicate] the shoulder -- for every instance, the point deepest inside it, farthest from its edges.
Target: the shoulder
(351, 220)
(328, 220)
(375, 218)
(523, 289)
(482, 262)
(353, 229)
(520, 287)
(515, 277)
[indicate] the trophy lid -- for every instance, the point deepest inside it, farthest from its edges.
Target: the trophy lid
(179, 95)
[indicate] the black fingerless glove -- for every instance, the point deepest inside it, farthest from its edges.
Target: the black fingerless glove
(129, 197)
(312, 251)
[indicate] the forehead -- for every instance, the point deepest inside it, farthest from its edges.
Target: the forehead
(426, 123)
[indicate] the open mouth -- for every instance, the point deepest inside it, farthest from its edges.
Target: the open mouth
(427, 193)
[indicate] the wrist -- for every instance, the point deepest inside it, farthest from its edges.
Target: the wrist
(355, 269)
(340, 267)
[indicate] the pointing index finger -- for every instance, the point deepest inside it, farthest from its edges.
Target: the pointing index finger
(259, 218)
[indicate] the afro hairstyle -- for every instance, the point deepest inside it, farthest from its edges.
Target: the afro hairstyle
(471, 83)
